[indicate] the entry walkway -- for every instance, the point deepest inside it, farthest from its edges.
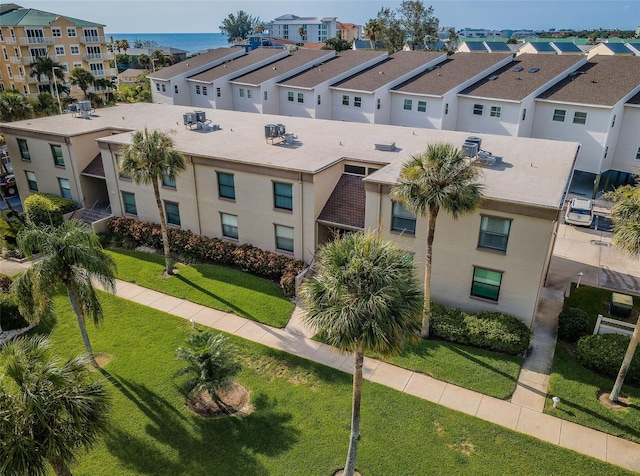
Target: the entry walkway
(296, 339)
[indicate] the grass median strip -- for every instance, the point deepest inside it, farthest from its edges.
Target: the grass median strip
(218, 287)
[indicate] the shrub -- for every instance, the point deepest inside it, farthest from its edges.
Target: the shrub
(197, 248)
(10, 318)
(5, 283)
(572, 324)
(47, 209)
(489, 330)
(605, 353)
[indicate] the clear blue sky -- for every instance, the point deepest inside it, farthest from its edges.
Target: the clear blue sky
(184, 16)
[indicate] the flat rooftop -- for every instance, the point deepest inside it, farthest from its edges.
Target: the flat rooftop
(535, 171)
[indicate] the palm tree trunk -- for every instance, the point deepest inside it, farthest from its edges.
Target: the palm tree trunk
(80, 317)
(358, 358)
(626, 363)
(426, 311)
(163, 227)
(60, 467)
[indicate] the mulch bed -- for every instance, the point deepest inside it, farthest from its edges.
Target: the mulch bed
(236, 400)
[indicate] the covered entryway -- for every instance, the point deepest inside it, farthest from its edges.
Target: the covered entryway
(344, 211)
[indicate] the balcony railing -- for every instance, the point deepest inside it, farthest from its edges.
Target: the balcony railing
(8, 39)
(94, 56)
(36, 40)
(101, 73)
(15, 60)
(32, 59)
(92, 39)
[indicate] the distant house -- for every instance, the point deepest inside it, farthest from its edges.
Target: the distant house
(304, 29)
(611, 49)
(176, 54)
(132, 76)
(348, 31)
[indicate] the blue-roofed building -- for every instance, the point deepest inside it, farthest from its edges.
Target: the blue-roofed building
(472, 47)
(493, 46)
(611, 49)
(538, 47)
(564, 48)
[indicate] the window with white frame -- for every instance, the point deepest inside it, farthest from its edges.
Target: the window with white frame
(249, 93)
(197, 89)
(478, 109)
(494, 233)
(319, 100)
(77, 64)
(158, 87)
(378, 103)
(75, 50)
(9, 72)
(175, 89)
(56, 32)
(290, 96)
(345, 100)
(265, 95)
(496, 111)
(559, 115)
(357, 101)
(71, 32)
(25, 89)
(486, 283)
(229, 225)
(422, 106)
(241, 92)
(218, 92)
(446, 109)
(5, 54)
(301, 98)
(164, 88)
(97, 69)
(638, 154)
(60, 50)
(284, 238)
(580, 118)
(408, 104)
(204, 90)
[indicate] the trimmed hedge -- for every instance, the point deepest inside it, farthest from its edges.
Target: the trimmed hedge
(489, 330)
(5, 283)
(605, 353)
(47, 209)
(267, 264)
(572, 324)
(10, 318)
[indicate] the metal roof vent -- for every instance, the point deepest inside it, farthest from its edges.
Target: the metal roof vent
(493, 77)
(534, 70)
(517, 69)
(387, 146)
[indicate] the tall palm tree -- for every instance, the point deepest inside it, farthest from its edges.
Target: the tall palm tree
(49, 409)
(82, 78)
(626, 236)
(43, 66)
(439, 178)
(365, 296)
(122, 45)
(148, 159)
(144, 61)
(71, 256)
(14, 106)
(372, 31)
(106, 85)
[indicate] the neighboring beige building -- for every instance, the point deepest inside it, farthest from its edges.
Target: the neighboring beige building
(332, 177)
(27, 33)
(132, 75)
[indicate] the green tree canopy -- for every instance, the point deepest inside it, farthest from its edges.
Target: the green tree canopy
(410, 23)
(14, 106)
(82, 78)
(337, 44)
(240, 25)
(43, 66)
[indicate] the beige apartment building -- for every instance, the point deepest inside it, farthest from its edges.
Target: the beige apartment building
(327, 177)
(27, 33)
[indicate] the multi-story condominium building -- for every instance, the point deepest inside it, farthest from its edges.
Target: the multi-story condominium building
(304, 29)
(292, 197)
(26, 34)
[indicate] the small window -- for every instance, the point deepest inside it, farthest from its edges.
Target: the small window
(478, 109)
(164, 88)
(524, 114)
(408, 104)
(229, 225)
(56, 32)
(606, 151)
(496, 111)
(284, 238)
(402, 220)
(204, 90)
(559, 115)
(486, 283)
(172, 212)
(422, 106)
(59, 50)
(197, 89)
(65, 188)
(357, 101)
(241, 92)
(265, 95)
(226, 186)
(32, 183)
(129, 202)
(345, 100)
(378, 104)
(494, 233)
(290, 96)
(446, 109)
(580, 118)
(75, 50)
(56, 152)
(119, 165)
(638, 154)
(301, 98)
(24, 149)
(319, 100)
(354, 169)
(283, 196)
(71, 32)
(175, 89)
(613, 121)
(218, 92)
(249, 93)
(168, 182)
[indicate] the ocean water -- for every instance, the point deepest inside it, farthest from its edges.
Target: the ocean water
(191, 42)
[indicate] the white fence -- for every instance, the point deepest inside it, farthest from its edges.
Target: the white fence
(605, 325)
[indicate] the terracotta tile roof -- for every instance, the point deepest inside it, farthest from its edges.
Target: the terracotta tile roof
(452, 72)
(392, 68)
(330, 69)
(236, 64)
(193, 63)
(347, 203)
(95, 167)
(604, 80)
(517, 85)
(295, 60)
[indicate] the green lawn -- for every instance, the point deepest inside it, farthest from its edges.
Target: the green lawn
(218, 287)
(301, 418)
(578, 387)
(595, 301)
(477, 369)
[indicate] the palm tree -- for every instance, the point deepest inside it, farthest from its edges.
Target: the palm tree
(625, 215)
(371, 31)
(439, 178)
(106, 85)
(14, 106)
(210, 364)
(49, 409)
(364, 297)
(144, 61)
(71, 256)
(82, 78)
(122, 45)
(148, 159)
(43, 66)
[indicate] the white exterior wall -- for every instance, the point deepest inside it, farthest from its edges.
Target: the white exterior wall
(523, 129)
(450, 112)
(350, 113)
(295, 108)
(624, 157)
(506, 124)
(246, 103)
(199, 100)
(431, 119)
(162, 97)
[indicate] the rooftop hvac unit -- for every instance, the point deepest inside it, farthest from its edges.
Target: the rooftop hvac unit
(84, 105)
(387, 146)
(475, 140)
(272, 131)
(470, 149)
(73, 107)
(201, 116)
(189, 118)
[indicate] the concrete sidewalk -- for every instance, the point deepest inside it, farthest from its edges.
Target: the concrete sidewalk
(295, 339)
